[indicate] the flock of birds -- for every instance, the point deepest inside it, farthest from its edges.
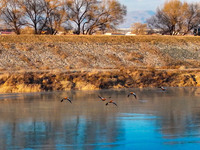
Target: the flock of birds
(110, 101)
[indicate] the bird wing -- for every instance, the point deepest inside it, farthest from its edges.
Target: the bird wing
(106, 104)
(128, 95)
(135, 96)
(69, 100)
(100, 97)
(62, 100)
(114, 103)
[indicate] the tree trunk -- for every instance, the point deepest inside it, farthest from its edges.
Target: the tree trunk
(17, 31)
(35, 27)
(78, 29)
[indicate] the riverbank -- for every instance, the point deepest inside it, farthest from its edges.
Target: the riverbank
(80, 80)
(47, 63)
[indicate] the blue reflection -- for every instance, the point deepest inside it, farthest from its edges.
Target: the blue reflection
(163, 122)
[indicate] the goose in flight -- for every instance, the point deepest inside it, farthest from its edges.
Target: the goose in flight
(102, 98)
(111, 102)
(66, 98)
(162, 88)
(132, 93)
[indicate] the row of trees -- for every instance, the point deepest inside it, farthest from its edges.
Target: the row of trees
(81, 16)
(176, 17)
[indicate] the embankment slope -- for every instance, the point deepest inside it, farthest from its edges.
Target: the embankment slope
(42, 63)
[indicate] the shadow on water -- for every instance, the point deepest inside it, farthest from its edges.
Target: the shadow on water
(156, 119)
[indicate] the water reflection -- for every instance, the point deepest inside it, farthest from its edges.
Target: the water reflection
(162, 120)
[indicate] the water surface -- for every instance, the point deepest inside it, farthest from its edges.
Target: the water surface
(156, 120)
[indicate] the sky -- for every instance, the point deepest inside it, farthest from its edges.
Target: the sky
(137, 5)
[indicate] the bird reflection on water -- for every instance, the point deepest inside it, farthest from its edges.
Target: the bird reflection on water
(40, 121)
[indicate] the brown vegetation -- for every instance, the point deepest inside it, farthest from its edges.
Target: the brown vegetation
(176, 18)
(43, 63)
(34, 82)
(139, 28)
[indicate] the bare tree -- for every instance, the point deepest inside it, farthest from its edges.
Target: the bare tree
(34, 11)
(175, 18)
(160, 21)
(86, 16)
(55, 13)
(107, 15)
(90, 16)
(192, 17)
(77, 11)
(12, 14)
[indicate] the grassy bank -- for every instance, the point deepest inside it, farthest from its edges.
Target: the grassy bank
(98, 39)
(45, 63)
(35, 81)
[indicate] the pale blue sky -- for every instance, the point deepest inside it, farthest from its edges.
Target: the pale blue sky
(135, 5)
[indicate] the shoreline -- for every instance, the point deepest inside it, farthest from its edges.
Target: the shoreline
(80, 80)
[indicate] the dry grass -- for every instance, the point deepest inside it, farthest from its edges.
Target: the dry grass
(135, 57)
(113, 57)
(23, 47)
(98, 39)
(126, 53)
(59, 52)
(34, 82)
(131, 50)
(25, 58)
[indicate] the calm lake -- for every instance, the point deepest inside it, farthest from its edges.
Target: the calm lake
(156, 120)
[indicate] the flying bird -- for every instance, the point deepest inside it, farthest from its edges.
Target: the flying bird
(132, 93)
(162, 88)
(66, 98)
(102, 98)
(111, 102)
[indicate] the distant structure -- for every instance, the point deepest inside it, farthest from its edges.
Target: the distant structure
(115, 33)
(130, 34)
(4, 31)
(121, 31)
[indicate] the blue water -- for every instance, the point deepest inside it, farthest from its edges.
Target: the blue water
(156, 120)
